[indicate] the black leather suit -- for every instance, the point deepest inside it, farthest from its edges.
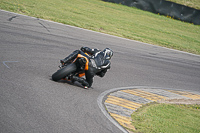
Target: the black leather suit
(98, 64)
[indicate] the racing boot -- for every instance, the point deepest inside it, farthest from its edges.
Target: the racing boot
(70, 57)
(81, 80)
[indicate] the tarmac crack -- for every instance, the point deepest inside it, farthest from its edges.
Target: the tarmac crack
(13, 17)
(44, 26)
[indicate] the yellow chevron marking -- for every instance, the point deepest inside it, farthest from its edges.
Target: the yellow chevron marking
(122, 102)
(124, 121)
(144, 94)
(186, 94)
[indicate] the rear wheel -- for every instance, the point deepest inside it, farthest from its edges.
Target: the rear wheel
(63, 72)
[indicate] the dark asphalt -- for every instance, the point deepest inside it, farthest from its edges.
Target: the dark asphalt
(30, 50)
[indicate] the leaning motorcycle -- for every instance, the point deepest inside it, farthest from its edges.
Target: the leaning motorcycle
(77, 67)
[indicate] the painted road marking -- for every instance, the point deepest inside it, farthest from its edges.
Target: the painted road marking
(124, 121)
(122, 102)
(116, 109)
(144, 94)
(131, 97)
(4, 62)
(186, 94)
(165, 93)
(119, 103)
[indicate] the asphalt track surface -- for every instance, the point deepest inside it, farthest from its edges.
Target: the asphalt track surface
(30, 50)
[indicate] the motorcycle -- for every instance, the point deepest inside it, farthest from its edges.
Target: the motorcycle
(76, 67)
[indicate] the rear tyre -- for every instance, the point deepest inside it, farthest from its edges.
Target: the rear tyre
(63, 72)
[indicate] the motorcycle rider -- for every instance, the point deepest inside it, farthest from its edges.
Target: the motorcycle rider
(99, 63)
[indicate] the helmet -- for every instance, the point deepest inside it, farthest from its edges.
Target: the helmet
(108, 53)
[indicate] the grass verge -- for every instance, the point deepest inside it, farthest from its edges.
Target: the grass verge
(191, 3)
(167, 118)
(113, 19)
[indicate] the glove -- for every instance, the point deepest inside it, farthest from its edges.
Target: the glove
(83, 49)
(62, 61)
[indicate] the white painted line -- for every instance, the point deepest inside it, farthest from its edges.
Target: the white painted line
(4, 62)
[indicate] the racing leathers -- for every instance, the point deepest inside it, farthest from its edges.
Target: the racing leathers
(99, 63)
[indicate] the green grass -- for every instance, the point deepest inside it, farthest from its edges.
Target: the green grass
(113, 19)
(167, 118)
(191, 3)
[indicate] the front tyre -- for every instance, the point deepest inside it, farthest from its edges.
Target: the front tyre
(63, 72)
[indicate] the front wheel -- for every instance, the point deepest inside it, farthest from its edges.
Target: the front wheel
(63, 72)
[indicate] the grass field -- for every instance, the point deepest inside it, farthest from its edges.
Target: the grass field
(113, 19)
(167, 118)
(191, 3)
